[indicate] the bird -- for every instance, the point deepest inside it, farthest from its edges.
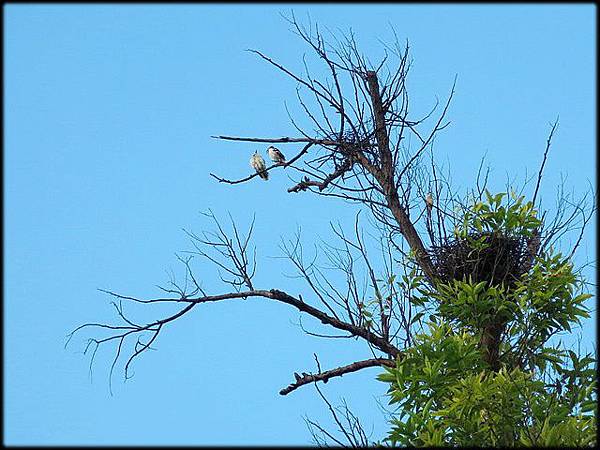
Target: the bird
(275, 155)
(429, 202)
(258, 163)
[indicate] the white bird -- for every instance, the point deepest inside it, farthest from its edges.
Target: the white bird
(275, 155)
(258, 163)
(429, 202)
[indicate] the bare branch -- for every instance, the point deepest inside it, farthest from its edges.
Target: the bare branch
(307, 378)
(548, 142)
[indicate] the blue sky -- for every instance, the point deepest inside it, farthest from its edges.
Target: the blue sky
(108, 115)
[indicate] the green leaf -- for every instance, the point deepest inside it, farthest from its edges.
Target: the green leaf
(489, 197)
(417, 317)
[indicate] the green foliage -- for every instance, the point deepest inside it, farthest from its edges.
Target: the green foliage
(542, 395)
(473, 306)
(514, 217)
(550, 300)
(448, 396)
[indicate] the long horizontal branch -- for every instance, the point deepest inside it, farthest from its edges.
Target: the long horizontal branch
(281, 140)
(326, 319)
(274, 294)
(307, 378)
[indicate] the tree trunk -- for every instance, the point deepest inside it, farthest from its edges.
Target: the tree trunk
(490, 344)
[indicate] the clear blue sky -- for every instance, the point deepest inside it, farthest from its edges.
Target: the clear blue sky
(108, 112)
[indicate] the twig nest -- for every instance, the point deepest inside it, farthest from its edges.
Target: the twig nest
(491, 257)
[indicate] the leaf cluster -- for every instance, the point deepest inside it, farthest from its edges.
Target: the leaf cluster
(446, 395)
(512, 217)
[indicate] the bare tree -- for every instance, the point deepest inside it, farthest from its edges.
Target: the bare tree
(360, 149)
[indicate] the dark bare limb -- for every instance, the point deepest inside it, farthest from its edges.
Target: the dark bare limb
(307, 378)
(282, 140)
(155, 327)
(548, 143)
(386, 180)
(322, 185)
(348, 425)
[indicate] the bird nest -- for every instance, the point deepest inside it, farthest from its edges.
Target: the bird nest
(490, 257)
(356, 140)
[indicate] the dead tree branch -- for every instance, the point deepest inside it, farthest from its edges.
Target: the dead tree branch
(307, 378)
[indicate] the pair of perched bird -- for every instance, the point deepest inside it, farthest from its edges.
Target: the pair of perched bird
(258, 163)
